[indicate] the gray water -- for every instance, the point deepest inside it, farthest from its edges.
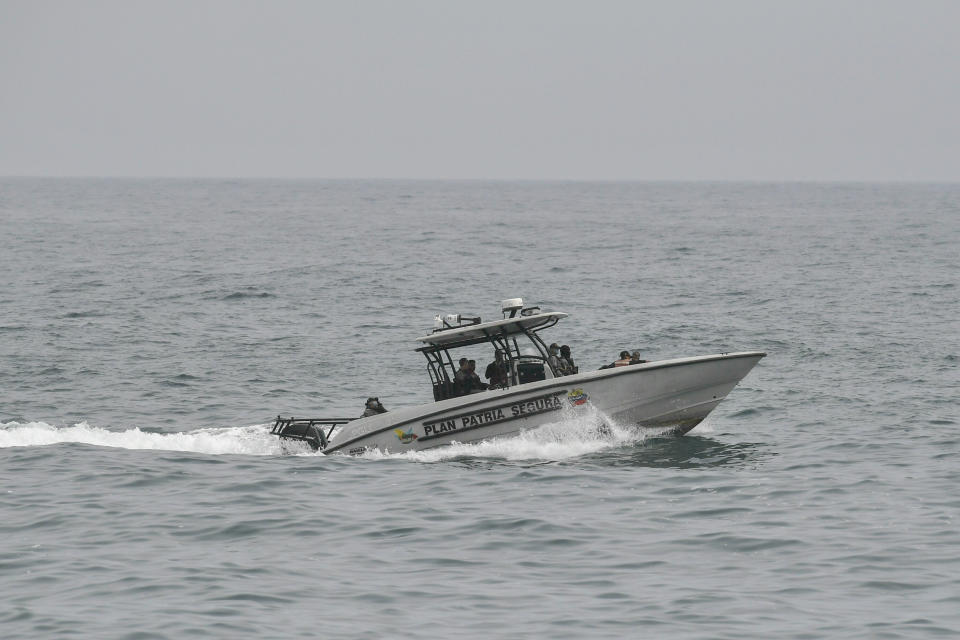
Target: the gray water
(151, 329)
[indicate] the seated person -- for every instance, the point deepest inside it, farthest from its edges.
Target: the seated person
(559, 365)
(497, 372)
(622, 362)
(635, 358)
(373, 408)
(475, 384)
(571, 365)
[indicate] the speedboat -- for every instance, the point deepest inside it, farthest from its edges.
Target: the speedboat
(668, 396)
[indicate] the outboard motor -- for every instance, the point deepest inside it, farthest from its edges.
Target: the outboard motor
(309, 430)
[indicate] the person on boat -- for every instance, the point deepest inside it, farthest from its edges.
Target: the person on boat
(461, 379)
(622, 362)
(373, 408)
(571, 365)
(636, 359)
(497, 371)
(476, 384)
(556, 361)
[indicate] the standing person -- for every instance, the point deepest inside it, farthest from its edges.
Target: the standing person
(461, 379)
(497, 371)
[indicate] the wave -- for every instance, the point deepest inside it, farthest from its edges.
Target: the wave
(252, 440)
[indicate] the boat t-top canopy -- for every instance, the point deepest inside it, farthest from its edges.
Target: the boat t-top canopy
(489, 331)
(517, 366)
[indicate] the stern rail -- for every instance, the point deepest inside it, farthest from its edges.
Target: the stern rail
(314, 431)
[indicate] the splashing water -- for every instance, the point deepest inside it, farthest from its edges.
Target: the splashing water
(251, 440)
(576, 434)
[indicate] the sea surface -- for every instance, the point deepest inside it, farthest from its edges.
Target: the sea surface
(150, 330)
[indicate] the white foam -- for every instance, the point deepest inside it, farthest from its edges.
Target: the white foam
(576, 434)
(703, 427)
(251, 440)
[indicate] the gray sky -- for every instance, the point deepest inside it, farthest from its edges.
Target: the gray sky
(757, 90)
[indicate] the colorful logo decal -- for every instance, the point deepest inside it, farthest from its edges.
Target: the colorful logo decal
(578, 397)
(406, 437)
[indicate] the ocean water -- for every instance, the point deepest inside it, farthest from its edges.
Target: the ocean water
(151, 329)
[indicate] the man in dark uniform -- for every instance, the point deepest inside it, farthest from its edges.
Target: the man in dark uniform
(497, 371)
(461, 379)
(571, 365)
(476, 384)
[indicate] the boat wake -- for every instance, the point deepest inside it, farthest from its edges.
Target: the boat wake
(253, 440)
(575, 434)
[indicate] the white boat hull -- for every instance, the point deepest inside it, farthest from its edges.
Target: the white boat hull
(669, 395)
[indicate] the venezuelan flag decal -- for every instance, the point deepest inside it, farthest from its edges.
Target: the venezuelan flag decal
(578, 397)
(406, 437)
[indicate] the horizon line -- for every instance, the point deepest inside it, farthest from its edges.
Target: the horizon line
(499, 179)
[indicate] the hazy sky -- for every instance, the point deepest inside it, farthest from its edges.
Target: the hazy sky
(763, 90)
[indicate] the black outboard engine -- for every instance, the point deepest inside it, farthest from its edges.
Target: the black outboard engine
(314, 431)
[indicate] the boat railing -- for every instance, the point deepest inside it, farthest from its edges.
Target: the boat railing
(314, 431)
